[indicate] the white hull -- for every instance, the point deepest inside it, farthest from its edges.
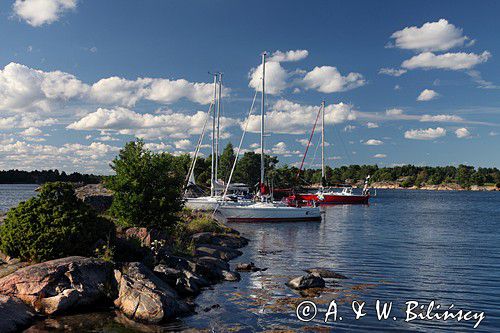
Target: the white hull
(267, 212)
(210, 203)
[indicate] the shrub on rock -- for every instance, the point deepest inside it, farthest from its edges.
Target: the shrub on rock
(147, 187)
(52, 225)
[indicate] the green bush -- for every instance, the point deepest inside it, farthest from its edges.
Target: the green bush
(147, 187)
(52, 225)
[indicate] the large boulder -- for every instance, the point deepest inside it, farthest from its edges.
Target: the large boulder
(62, 284)
(144, 297)
(95, 195)
(306, 282)
(210, 268)
(220, 252)
(227, 240)
(14, 314)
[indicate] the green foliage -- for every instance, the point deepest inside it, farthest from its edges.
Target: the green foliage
(248, 167)
(226, 161)
(147, 186)
(52, 225)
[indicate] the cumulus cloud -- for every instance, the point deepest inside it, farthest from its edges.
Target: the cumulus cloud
(349, 128)
(380, 156)
(431, 36)
(393, 112)
(40, 12)
(24, 121)
(392, 71)
(425, 134)
(462, 133)
(281, 148)
(449, 61)
(125, 121)
(441, 118)
(26, 89)
(427, 95)
(373, 142)
(287, 117)
(276, 78)
(288, 56)
(70, 157)
(327, 79)
(182, 144)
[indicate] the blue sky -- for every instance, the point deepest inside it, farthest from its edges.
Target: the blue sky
(404, 82)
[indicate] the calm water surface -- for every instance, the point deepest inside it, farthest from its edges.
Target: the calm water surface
(12, 194)
(406, 245)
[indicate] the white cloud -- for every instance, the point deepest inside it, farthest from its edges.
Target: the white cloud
(182, 144)
(450, 61)
(349, 128)
(371, 125)
(276, 77)
(158, 146)
(373, 142)
(427, 95)
(292, 118)
(26, 89)
(150, 126)
(40, 12)
(281, 148)
(432, 36)
(380, 156)
(441, 118)
(392, 71)
(288, 56)
(425, 134)
(327, 79)
(115, 90)
(393, 112)
(397, 87)
(119, 91)
(106, 138)
(462, 133)
(25, 121)
(304, 142)
(70, 157)
(31, 131)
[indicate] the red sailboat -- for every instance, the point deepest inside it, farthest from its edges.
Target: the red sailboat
(324, 196)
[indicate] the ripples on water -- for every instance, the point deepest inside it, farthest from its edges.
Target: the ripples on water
(12, 194)
(406, 245)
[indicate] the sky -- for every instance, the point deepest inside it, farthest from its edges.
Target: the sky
(413, 82)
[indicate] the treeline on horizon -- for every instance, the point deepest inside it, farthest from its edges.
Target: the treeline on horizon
(248, 171)
(45, 176)
(284, 176)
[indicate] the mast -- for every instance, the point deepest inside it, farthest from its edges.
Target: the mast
(322, 142)
(217, 138)
(212, 171)
(263, 112)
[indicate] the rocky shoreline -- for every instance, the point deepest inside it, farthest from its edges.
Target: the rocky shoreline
(440, 187)
(145, 292)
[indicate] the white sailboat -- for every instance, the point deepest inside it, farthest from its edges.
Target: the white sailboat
(209, 202)
(266, 210)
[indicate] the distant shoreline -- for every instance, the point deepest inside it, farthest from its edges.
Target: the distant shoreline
(440, 187)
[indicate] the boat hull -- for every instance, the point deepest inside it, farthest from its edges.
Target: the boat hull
(266, 214)
(332, 199)
(210, 203)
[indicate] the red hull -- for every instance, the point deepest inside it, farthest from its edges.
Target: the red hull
(331, 199)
